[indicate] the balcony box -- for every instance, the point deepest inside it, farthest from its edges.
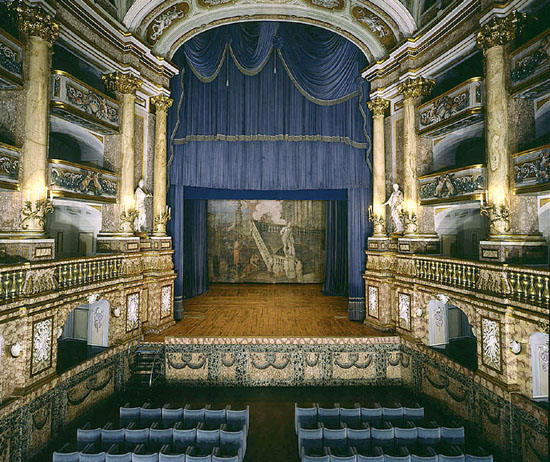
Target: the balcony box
(76, 102)
(9, 166)
(532, 170)
(457, 108)
(11, 62)
(452, 186)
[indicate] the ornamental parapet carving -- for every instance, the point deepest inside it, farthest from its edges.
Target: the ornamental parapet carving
(499, 31)
(11, 63)
(530, 68)
(532, 170)
(455, 109)
(124, 83)
(384, 262)
(83, 105)
(415, 88)
(9, 166)
(35, 22)
(378, 106)
(81, 182)
(162, 103)
(452, 186)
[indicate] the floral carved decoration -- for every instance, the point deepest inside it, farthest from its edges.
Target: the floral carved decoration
(166, 301)
(91, 103)
(537, 169)
(10, 60)
(373, 301)
(132, 311)
(490, 332)
(42, 345)
(373, 23)
(449, 185)
(84, 182)
(328, 4)
(162, 22)
(404, 308)
(529, 64)
(445, 107)
(9, 167)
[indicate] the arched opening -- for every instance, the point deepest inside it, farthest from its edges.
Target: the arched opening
(539, 365)
(450, 332)
(85, 334)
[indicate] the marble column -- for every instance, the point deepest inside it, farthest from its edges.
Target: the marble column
(378, 215)
(160, 211)
(126, 85)
(501, 244)
(412, 90)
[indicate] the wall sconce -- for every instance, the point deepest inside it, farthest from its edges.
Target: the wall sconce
(515, 347)
(116, 312)
(16, 349)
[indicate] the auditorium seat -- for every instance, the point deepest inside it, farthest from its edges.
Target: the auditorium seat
(399, 454)
(171, 416)
(117, 454)
(429, 434)
(393, 414)
(314, 454)
(168, 454)
(91, 454)
(148, 416)
(67, 453)
(310, 438)
(237, 419)
(213, 418)
(372, 415)
(129, 414)
(192, 417)
(183, 438)
(328, 416)
(451, 453)
(374, 455)
(227, 454)
(341, 454)
(233, 439)
(158, 436)
(478, 455)
(351, 416)
(198, 454)
(134, 436)
(452, 435)
(334, 437)
(110, 436)
(423, 454)
(415, 413)
(86, 435)
(143, 454)
(305, 416)
(207, 439)
(359, 437)
(405, 433)
(383, 435)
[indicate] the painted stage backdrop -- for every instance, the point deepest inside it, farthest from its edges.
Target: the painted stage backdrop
(266, 241)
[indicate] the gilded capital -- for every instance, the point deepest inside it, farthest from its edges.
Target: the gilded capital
(122, 83)
(35, 22)
(378, 105)
(500, 31)
(162, 102)
(413, 88)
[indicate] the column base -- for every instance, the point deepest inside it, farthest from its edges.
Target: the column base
(29, 249)
(514, 249)
(125, 244)
(419, 244)
(382, 243)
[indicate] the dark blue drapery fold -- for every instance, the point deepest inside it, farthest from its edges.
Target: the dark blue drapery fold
(273, 107)
(336, 249)
(195, 269)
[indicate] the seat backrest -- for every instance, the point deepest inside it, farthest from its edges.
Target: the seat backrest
(208, 438)
(92, 457)
(171, 416)
(376, 455)
(426, 454)
(413, 413)
(334, 436)
(405, 435)
(83, 437)
(306, 416)
(129, 414)
(171, 457)
(148, 416)
(329, 416)
(243, 416)
(214, 416)
(428, 436)
(196, 455)
(383, 437)
(126, 457)
(392, 414)
(109, 437)
(230, 437)
(452, 435)
(310, 438)
(65, 456)
(184, 438)
(472, 458)
(350, 416)
(372, 415)
(138, 435)
(160, 436)
(145, 457)
(193, 416)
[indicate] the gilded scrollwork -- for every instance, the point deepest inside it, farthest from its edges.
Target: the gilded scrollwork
(122, 82)
(40, 280)
(500, 31)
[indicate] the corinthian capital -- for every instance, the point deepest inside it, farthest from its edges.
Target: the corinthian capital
(413, 88)
(378, 105)
(162, 102)
(500, 31)
(35, 22)
(127, 84)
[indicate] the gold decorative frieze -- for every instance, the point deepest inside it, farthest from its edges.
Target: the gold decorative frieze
(214, 3)
(120, 82)
(165, 20)
(335, 5)
(374, 24)
(457, 108)
(83, 105)
(378, 106)
(36, 22)
(162, 103)
(82, 182)
(452, 186)
(11, 62)
(530, 68)
(500, 31)
(9, 166)
(532, 170)
(415, 88)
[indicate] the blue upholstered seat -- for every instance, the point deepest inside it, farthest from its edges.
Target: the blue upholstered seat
(304, 416)
(110, 436)
(84, 436)
(171, 416)
(168, 454)
(129, 414)
(134, 437)
(214, 417)
(328, 416)
(343, 454)
(451, 454)
(192, 417)
(478, 455)
(148, 416)
(428, 434)
(335, 437)
(310, 438)
(405, 433)
(237, 419)
(233, 439)
(207, 439)
(400, 454)
(423, 454)
(359, 437)
(227, 454)
(158, 437)
(351, 416)
(393, 414)
(374, 455)
(415, 413)
(372, 415)
(183, 438)
(91, 453)
(383, 435)
(66, 454)
(117, 454)
(144, 454)
(314, 454)
(197, 454)
(452, 435)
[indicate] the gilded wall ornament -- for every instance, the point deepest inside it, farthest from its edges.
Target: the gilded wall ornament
(127, 84)
(490, 333)
(373, 301)
(328, 4)
(132, 311)
(417, 87)
(404, 310)
(41, 345)
(500, 31)
(162, 103)
(166, 301)
(378, 106)
(163, 21)
(375, 24)
(36, 22)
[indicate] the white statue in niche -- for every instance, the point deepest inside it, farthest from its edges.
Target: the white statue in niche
(396, 205)
(288, 240)
(140, 197)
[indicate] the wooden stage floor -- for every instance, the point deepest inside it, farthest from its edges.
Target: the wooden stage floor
(265, 310)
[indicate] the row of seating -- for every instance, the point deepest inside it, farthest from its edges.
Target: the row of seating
(311, 415)
(142, 453)
(168, 416)
(400, 454)
(384, 435)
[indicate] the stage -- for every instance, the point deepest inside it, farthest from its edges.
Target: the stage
(265, 310)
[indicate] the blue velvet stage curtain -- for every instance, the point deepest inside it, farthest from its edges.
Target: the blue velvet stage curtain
(336, 249)
(195, 259)
(270, 106)
(175, 229)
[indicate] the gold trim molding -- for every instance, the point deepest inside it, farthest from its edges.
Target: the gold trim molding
(127, 84)
(500, 31)
(378, 106)
(414, 88)
(162, 102)
(35, 22)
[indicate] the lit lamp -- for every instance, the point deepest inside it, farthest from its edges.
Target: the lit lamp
(38, 204)
(493, 205)
(408, 215)
(377, 220)
(159, 222)
(128, 216)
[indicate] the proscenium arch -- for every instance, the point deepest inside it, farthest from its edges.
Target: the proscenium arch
(201, 19)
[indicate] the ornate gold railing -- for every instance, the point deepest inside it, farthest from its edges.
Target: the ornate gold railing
(30, 279)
